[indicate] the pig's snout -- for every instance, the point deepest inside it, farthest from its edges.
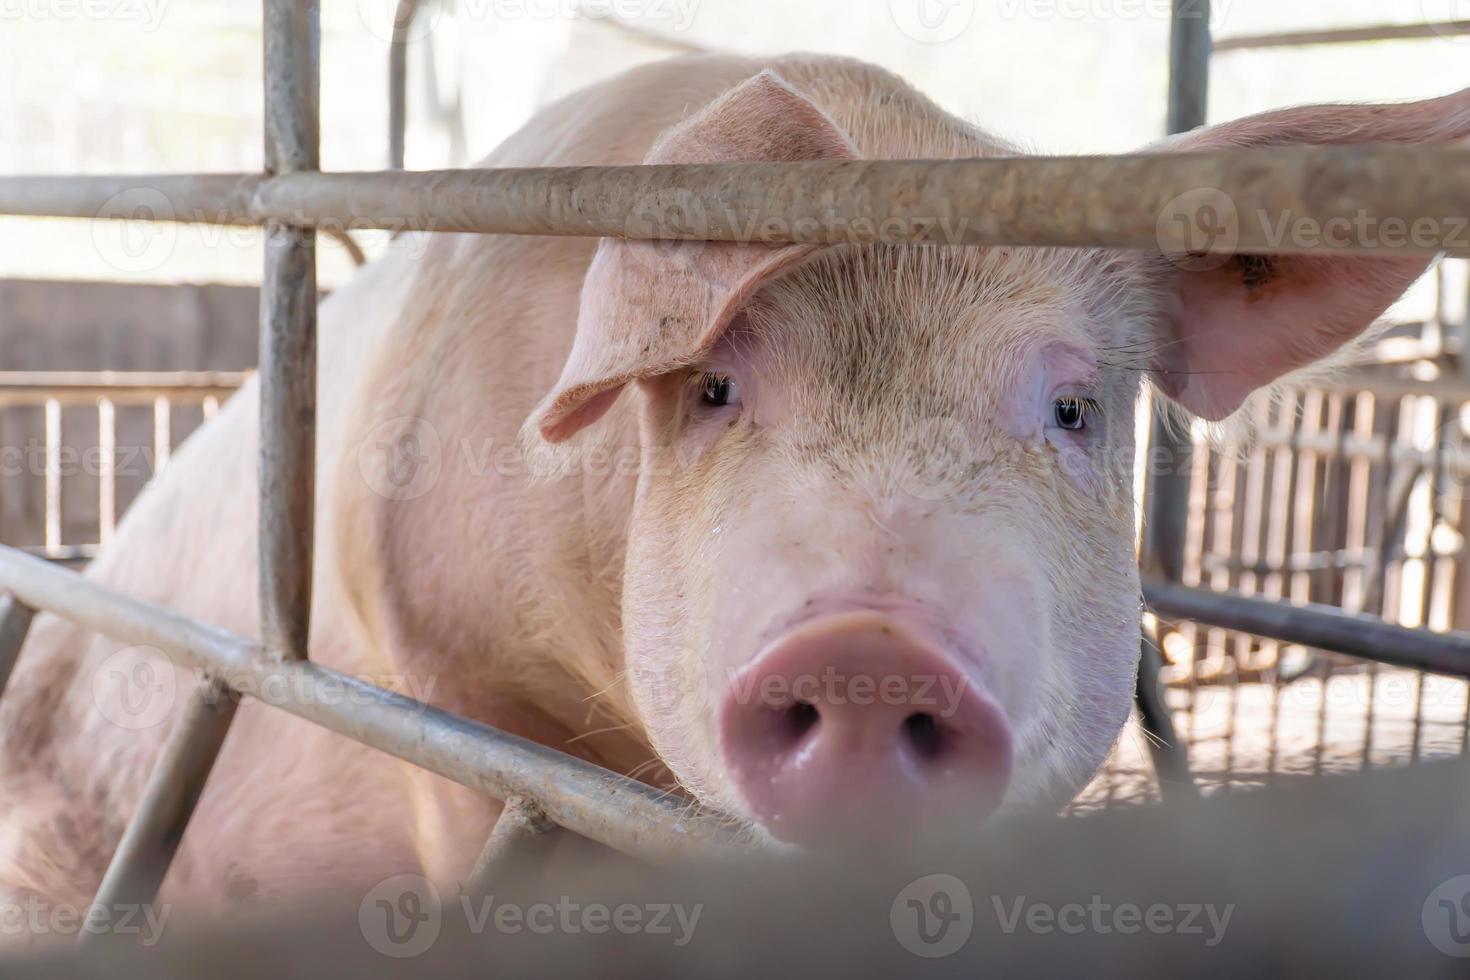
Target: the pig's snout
(855, 724)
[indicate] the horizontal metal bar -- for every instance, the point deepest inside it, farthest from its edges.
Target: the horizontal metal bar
(594, 802)
(153, 834)
(1141, 201)
(1323, 627)
(1345, 35)
(124, 387)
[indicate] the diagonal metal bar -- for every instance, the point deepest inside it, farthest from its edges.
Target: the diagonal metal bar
(147, 847)
(1347, 35)
(598, 804)
(522, 834)
(15, 624)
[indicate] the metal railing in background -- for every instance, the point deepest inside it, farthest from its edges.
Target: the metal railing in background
(1175, 514)
(163, 393)
(1080, 202)
(1345, 35)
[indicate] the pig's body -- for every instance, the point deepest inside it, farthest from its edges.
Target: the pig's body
(498, 602)
(570, 609)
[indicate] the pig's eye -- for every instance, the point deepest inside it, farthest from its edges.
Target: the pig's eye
(719, 390)
(1071, 413)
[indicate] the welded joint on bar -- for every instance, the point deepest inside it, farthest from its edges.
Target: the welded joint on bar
(521, 834)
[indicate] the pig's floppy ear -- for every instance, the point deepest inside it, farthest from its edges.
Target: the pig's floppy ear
(650, 307)
(1242, 325)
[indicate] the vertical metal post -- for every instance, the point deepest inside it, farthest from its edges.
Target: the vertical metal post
(403, 17)
(1190, 46)
(1166, 493)
(287, 448)
(288, 334)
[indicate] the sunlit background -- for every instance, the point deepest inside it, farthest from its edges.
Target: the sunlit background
(174, 85)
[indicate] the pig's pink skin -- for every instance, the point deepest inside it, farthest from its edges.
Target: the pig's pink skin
(863, 666)
(602, 612)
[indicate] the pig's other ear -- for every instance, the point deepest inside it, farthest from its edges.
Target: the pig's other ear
(1246, 323)
(650, 307)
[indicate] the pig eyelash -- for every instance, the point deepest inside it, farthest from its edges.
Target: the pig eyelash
(718, 390)
(1072, 413)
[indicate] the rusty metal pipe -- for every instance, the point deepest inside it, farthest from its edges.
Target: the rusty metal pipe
(1356, 195)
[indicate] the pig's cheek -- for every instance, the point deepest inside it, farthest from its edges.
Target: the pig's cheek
(1078, 467)
(698, 437)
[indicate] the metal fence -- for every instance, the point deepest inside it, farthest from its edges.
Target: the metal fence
(1076, 202)
(1350, 495)
(176, 402)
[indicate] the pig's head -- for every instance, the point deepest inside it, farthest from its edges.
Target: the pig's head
(881, 568)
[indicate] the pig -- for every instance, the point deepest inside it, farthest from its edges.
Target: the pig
(836, 540)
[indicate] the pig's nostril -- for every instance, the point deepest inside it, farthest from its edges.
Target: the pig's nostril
(924, 735)
(801, 718)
